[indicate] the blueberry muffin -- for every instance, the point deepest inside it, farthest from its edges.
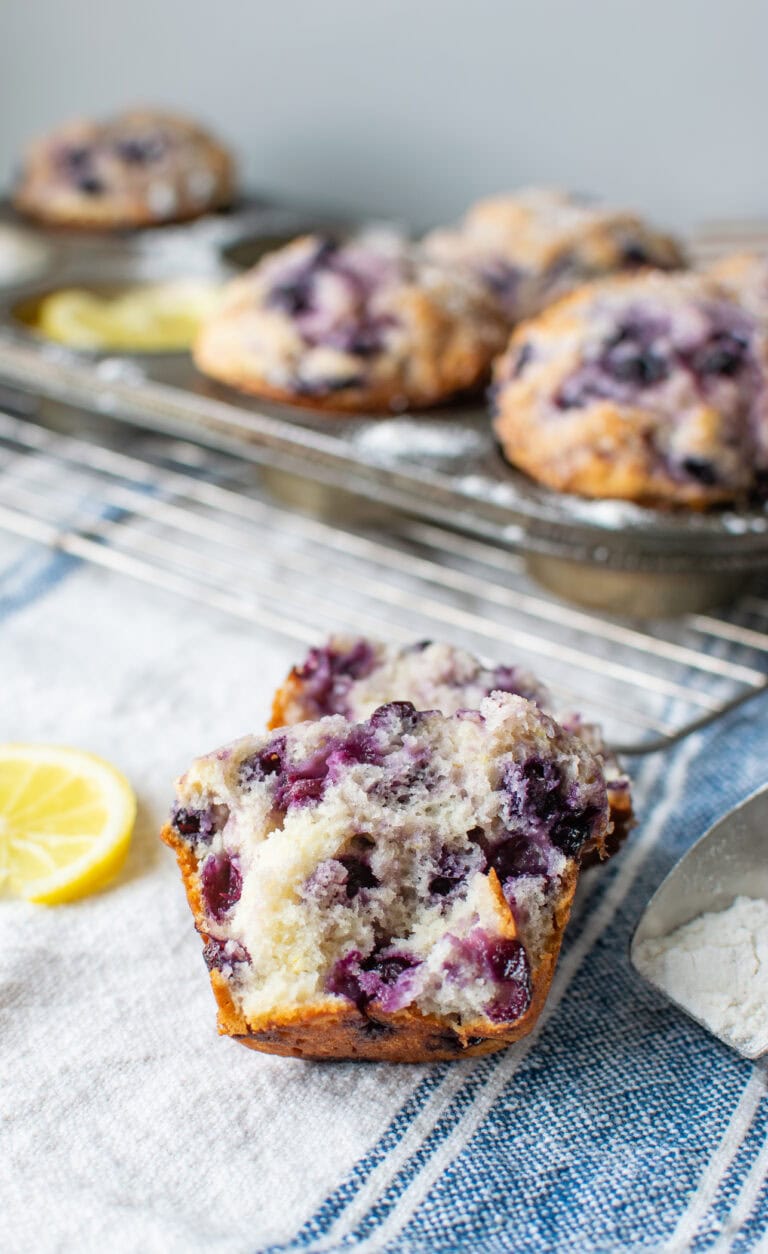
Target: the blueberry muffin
(352, 675)
(745, 278)
(142, 168)
(532, 247)
(649, 388)
(368, 325)
(391, 889)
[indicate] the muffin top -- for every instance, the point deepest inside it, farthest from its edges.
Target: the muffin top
(140, 168)
(370, 323)
(532, 246)
(649, 388)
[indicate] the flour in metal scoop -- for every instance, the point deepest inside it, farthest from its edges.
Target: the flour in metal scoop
(716, 968)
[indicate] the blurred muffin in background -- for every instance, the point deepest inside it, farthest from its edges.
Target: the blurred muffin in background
(531, 247)
(141, 168)
(369, 325)
(745, 278)
(650, 388)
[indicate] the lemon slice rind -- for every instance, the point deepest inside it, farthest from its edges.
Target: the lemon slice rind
(39, 831)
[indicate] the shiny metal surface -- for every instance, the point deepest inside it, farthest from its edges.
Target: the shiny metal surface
(211, 527)
(444, 466)
(728, 861)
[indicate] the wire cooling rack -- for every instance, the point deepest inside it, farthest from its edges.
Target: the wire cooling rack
(206, 526)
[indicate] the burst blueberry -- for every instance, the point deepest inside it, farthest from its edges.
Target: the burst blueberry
(222, 883)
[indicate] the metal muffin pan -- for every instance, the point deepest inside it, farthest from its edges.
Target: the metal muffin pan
(443, 465)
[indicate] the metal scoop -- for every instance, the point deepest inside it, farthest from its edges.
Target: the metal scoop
(729, 861)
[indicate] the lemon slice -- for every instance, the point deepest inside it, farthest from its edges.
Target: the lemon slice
(160, 317)
(66, 819)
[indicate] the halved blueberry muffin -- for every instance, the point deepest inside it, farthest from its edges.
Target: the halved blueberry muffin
(352, 675)
(141, 168)
(367, 325)
(390, 889)
(533, 246)
(650, 389)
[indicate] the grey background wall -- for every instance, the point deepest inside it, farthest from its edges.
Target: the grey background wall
(417, 106)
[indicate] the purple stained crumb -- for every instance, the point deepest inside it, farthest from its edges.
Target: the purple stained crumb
(268, 761)
(224, 955)
(472, 716)
(533, 787)
(199, 824)
(304, 781)
(538, 804)
(387, 977)
(513, 854)
(221, 883)
(327, 885)
(450, 874)
(502, 963)
(339, 880)
(517, 855)
(327, 675)
(397, 716)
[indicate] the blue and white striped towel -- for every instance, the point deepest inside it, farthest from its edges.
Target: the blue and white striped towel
(128, 1125)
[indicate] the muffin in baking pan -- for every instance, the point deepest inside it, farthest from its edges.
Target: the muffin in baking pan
(531, 247)
(649, 388)
(367, 325)
(395, 888)
(353, 675)
(141, 168)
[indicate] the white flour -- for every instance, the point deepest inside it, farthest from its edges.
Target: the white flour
(716, 967)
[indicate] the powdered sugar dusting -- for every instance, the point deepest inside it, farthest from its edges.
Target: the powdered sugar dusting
(404, 439)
